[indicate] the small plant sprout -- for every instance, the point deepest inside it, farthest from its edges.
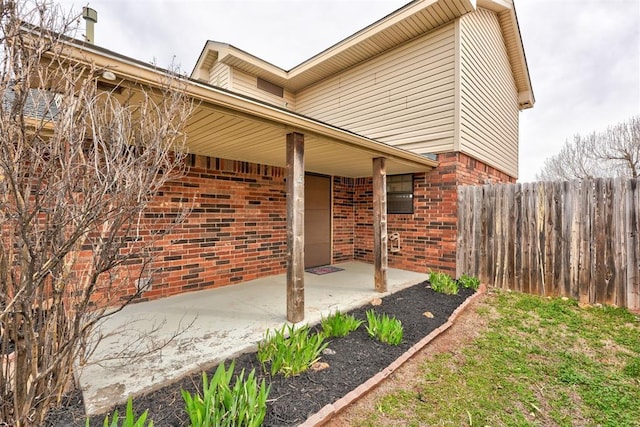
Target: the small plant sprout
(469, 282)
(129, 418)
(339, 325)
(291, 355)
(443, 283)
(384, 328)
(220, 404)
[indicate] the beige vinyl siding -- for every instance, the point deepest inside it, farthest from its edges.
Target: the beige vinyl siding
(219, 75)
(488, 94)
(246, 84)
(404, 97)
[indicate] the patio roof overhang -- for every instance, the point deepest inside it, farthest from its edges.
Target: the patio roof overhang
(231, 126)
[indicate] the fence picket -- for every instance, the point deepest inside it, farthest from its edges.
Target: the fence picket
(576, 239)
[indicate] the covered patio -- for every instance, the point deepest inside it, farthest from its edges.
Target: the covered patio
(197, 330)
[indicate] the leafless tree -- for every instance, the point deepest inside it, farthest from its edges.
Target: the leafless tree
(79, 167)
(612, 153)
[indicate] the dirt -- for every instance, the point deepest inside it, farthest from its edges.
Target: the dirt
(467, 327)
(292, 400)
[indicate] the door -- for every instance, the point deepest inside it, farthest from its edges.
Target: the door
(317, 220)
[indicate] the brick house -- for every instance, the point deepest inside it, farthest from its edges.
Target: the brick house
(321, 163)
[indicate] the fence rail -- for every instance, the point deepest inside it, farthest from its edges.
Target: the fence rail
(575, 239)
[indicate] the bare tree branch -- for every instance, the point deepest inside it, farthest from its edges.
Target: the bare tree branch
(79, 169)
(612, 153)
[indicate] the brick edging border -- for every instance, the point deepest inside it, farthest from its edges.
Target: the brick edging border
(328, 411)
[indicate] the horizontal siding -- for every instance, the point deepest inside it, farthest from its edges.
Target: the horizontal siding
(488, 94)
(404, 97)
(246, 84)
(219, 75)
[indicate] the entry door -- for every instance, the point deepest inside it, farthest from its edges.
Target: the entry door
(317, 221)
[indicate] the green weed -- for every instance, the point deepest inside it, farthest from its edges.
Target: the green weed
(385, 329)
(443, 283)
(339, 325)
(129, 420)
(469, 282)
(220, 405)
(290, 351)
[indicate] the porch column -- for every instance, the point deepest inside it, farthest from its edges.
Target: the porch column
(380, 260)
(295, 227)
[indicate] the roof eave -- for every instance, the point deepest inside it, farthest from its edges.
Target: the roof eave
(129, 69)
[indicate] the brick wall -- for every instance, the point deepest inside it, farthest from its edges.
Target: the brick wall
(236, 230)
(428, 236)
(343, 219)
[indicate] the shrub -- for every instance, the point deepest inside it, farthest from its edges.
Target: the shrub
(469, 282)
(220, 405)
(339, 325)
(384, 328)
(443, 283)
(293, 355)
(129, 418)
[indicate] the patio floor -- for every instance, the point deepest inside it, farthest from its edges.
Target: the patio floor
(211, 326)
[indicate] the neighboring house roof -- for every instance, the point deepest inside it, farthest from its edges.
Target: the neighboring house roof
(406, 23)
(39, 104)
(232, 126)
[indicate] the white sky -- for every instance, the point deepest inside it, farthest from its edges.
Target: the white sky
(583, 55)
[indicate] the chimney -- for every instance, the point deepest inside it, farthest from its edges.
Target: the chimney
(91, 17)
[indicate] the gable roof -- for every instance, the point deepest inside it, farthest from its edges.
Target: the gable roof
(406, 23)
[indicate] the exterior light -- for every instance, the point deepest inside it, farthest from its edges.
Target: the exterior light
(108, 75)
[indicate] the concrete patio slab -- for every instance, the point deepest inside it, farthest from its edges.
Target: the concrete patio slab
(197, 330)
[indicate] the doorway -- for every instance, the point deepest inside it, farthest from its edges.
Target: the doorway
(317, 220)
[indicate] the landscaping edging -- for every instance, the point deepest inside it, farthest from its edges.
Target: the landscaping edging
(329, 411)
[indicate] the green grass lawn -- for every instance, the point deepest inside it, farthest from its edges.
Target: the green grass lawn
(541, 362)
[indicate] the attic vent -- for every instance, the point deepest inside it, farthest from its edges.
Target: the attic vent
(270, 87)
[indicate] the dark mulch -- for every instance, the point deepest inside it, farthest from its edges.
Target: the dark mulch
(292, 400)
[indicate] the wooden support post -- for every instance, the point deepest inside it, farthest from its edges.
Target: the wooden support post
(380, 259)
(295, 227)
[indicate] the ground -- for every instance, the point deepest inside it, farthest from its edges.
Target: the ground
(467, 326)
(357, 358)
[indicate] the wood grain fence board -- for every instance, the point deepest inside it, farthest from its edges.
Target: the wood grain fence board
(618, 253)
(526, 239)
(478, 255)
(586, 264)
(566, 273)
(576, 239)
(484, 243)
(539, 241)
(632, 221)
(490, 224)
(560, 247)
(511, 242)
(517, 238)
(576, 227)
(599, 242)
(608, 262)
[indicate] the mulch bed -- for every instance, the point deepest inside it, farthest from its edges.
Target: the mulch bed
(292, 400)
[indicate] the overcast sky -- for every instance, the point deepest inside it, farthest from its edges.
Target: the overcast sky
(583, 55)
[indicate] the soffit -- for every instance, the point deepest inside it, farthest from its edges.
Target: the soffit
(231, 126)
(222, 133)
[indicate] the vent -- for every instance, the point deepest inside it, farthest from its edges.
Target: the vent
(270, 87)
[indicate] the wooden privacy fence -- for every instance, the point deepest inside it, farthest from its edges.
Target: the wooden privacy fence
(574, 239)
